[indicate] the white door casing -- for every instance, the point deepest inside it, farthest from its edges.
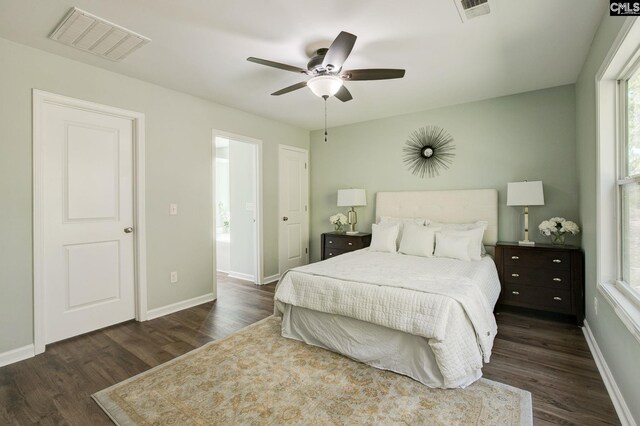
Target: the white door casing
(85, 270)
(258, 208)
(293, 207)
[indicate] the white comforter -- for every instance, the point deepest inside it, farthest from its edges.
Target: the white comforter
(450, 302)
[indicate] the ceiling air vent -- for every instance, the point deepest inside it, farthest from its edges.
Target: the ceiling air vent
(87, 32)
(469, 9)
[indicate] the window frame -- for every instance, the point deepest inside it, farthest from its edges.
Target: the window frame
(618, 62)
(623, 178)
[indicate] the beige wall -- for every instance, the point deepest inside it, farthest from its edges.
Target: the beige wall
(528, 136)
(620, 349)
(178, 169)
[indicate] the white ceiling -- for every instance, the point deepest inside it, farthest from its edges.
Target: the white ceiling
(200, 47)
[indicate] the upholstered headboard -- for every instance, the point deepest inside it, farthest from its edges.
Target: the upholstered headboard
(457, 206)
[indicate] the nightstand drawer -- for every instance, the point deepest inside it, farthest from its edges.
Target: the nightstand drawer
(538, 298)
(550, 259)
(333, 252)
(343, 242)
(519, 275)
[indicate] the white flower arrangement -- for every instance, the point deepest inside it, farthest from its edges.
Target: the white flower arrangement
(338, 219)
(558, 226)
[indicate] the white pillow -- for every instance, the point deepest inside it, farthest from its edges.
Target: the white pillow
(445, 227)
(453, 246)
(417, 240)
(475, 241)
(383, 237)
(401, 221)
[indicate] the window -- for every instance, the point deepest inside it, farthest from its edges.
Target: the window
(617, 218)
(629, 181)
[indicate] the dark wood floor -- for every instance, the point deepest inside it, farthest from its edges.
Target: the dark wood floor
(549, 359)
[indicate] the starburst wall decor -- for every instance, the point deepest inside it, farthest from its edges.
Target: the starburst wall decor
(427, 150)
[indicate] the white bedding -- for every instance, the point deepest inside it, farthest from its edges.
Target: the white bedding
(447, 301)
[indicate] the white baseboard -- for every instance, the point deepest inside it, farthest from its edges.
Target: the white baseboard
(607, 377)
(241, 276)
(175, 307)
(16, 355)
(270, 279)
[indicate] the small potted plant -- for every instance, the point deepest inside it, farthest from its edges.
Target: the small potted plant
(338, 220)
(557, 228)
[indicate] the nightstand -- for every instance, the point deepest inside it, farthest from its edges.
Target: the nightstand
(336, 243)
(544, 277)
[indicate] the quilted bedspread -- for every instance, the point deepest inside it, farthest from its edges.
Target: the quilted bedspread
(449, 302)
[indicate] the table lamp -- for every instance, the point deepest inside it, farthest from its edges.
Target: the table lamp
(525, 194)
(352, 198)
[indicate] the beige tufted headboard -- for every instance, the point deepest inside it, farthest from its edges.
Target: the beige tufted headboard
(457, 206)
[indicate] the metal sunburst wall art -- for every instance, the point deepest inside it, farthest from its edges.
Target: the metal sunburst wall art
(427, 150)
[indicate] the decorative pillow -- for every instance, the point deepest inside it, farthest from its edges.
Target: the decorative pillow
(417, 240)
(475, 238)
(453, 246)
(445, 227)
(401, 221)
(383, 237)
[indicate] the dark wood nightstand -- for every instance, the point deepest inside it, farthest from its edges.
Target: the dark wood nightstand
(335, 243)
(543, 277)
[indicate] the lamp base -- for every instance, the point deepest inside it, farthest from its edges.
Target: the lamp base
(526, 243)
(352, 220)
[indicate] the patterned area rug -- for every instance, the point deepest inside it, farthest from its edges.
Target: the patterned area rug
(256, 376)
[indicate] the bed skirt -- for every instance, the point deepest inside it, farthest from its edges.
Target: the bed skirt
(372, 344)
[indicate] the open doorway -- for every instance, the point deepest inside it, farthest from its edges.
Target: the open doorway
(237, 206)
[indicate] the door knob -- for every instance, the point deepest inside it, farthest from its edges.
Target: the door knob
(128, 230)
(285, 218)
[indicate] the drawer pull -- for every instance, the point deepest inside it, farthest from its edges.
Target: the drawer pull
(515, 275)
(557, 279)
(515, 292)
(330, 254)
(557, 298)
(330, 242)
(515, 257)
(350, 244)
(557, 261)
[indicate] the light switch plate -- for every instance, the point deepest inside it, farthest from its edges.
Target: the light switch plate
(173, 209)
(174, 277)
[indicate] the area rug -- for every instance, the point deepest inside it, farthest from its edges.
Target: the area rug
(255, 376)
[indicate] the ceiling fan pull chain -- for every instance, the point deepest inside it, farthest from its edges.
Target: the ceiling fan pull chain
(325, 117)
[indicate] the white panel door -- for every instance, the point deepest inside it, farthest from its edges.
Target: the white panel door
(88, 267)
(294, 215)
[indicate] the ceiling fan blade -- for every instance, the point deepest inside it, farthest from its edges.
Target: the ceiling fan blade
(343, 94)
(290, 88)
(339, 51)
(277, 65)
(372, 74)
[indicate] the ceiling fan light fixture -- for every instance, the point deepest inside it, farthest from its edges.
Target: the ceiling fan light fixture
(325, 85)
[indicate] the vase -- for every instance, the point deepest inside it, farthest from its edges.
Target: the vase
(557, 239)
(338, 227)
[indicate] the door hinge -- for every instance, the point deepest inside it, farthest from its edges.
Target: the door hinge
(306, 250)
(305, 208)
(305, 165)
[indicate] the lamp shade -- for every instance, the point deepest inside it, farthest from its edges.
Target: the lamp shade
(525, 193)
(352, 197)
(325, 85)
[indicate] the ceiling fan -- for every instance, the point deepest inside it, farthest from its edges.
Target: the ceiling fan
(325, 67)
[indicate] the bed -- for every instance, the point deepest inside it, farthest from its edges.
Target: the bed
(428, 318)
